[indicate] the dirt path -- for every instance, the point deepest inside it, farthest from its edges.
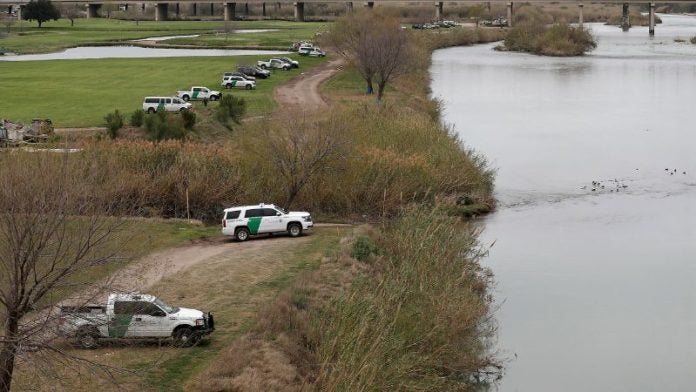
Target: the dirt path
(303, 91)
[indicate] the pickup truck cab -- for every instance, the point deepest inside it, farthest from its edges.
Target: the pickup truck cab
(241, 222)
(293, 63)
(274, 64)
(199, 93)
(168, 104)
(235, 81)
(134, 316)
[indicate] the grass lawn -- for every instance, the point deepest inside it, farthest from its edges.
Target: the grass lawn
(78, 93)
(26, 37)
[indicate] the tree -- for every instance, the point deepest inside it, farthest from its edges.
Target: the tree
(40, 11)
(303, 147)
(71, 12)
(375, 44)
(8, 21)
(56, 227)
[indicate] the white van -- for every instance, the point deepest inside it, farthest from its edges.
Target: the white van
(168, 104)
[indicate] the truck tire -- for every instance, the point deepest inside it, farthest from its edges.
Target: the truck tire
(228, 85)
(241, 234)
(295, 229)
(185, 98)
(263, 66)
(214, 97)
(151, 110)
(248, 87)
(88, 339)
(185, 337)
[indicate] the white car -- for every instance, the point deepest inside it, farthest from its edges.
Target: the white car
(168, 104)
(241, 222)
(133, 316)
(274, 63)
(199, 92)
(316, 52)
(235, 81)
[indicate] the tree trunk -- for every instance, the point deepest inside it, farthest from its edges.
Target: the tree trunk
(292, 193)
(380, 90)
(7, 354)
(72, 22)
(39, 24)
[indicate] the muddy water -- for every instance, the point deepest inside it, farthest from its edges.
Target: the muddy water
(597, 289)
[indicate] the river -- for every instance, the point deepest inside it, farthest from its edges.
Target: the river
(597, 289)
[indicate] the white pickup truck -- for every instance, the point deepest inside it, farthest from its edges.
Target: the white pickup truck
(274, 63)
(199, 93)
(134, 316)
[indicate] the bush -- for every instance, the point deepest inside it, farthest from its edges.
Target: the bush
(114, 122)
(188, 118)
(163, 126)
(558, 40)
(136, 118)
(231, 108)
(363, 247)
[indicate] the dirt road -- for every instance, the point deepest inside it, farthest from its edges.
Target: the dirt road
(303, 91)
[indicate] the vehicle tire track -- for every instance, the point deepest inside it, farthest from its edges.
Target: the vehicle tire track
(303, 91)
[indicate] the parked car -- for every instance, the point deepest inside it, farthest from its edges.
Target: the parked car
(134, 316)
(255, 71)
(240, 74)
(304, 47)
(316, 52)
(168, 104)
(199, 93)
(236, 81)
(274, 64)
(293, 63)
(241, 222)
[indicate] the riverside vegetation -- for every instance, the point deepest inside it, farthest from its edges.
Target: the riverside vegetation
(411, 309)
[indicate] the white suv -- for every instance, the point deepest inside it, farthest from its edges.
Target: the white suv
(241, 222)
(236, 81)
(168, 104)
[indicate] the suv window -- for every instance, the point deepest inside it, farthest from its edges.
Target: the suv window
(253, 212)
(269, 212)
(232, 214)
(151, 100)
(169, 100)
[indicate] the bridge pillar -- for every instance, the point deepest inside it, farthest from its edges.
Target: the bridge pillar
(263, 9)
(230, 11)
(194, 9)
(299, 12)
(651, 17)
(142, 7)
(93, 10)
(438, 10)
(212, 9)
(580, 16)
(178, 10)
(625, 19)
(161, 11)
(369, 4)
(349, 7)
(20, 8)
(510, 14)
(246, 9)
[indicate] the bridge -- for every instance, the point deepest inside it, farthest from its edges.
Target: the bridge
(229, 7)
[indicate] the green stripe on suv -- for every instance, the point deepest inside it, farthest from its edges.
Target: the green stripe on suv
(254, 224)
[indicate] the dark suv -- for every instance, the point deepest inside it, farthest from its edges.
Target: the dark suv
(255, 71)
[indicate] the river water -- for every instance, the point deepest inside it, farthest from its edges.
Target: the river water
(597, 289)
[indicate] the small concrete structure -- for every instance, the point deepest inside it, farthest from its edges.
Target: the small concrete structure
(510, 13)
(625, 18)
(299, 11)
(229, 11)
(580, 16)
(93, 10)
(651, 16)
(369, 4)
(161, 11)
(438, 10)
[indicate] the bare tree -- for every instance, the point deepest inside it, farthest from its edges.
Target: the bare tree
(375, 44)
(302, 147)
(57, 224)
(71, 12)
(8, 21)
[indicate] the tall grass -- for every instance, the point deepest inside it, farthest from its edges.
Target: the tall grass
(556, 40)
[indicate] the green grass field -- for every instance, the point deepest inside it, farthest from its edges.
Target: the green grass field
(26, 37)
(78, 93)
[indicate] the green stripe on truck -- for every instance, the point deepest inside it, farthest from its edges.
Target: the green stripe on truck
(119, 325)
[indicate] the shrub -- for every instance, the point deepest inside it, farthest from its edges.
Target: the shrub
(363, 247)
(557, 40)
(136, 118)
(188, 118)
(231, 108)
(114, 122)
(163, 126)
